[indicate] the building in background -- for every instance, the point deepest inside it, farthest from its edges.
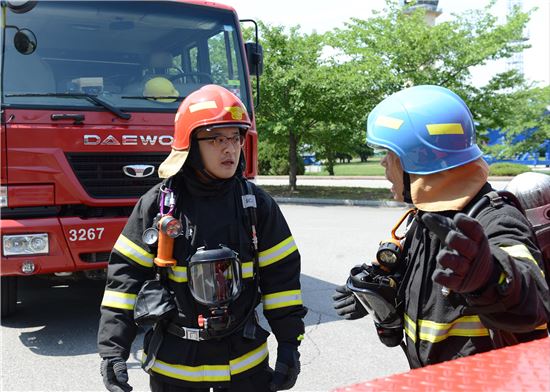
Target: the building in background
(432, 12)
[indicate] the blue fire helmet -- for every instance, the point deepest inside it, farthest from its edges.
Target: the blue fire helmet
(430, 128)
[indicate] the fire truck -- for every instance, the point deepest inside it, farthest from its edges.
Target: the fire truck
(81, 137)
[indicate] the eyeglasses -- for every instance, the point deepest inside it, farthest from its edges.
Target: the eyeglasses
(221, 141)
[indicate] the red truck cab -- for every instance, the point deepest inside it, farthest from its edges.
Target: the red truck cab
(88, 96)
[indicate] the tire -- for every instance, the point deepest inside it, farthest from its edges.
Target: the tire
(9, 295)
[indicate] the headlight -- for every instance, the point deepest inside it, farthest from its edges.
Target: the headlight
(25, 244)
(3, 196)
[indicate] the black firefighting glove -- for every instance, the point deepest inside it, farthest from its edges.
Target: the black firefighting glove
(115, 374)
(287, 367)
(467, 263)
(347, 305)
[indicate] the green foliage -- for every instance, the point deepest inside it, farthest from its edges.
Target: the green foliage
(371, 168)
(273, 160)
(507, 169)
(290, 90)
(322, 101)
(330, 192)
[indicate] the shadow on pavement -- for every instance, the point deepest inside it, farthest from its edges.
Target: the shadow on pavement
(61, 318)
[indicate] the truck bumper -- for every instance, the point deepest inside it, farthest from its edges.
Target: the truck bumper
(74, 244)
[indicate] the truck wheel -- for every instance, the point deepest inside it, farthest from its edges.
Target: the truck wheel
(9, 295)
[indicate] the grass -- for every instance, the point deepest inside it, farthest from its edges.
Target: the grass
(373, 168)
(329, 192)
(355, 168)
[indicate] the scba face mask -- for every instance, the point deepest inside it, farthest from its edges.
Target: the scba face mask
(215, 276)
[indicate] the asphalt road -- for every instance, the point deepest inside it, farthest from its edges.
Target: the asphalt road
(50, 344)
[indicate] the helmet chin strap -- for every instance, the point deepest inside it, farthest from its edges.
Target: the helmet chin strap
(407, 198)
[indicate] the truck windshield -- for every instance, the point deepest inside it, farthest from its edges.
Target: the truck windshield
(139, 56)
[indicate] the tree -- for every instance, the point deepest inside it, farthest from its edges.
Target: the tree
(396, 49)
(323, 101)
(289, 89)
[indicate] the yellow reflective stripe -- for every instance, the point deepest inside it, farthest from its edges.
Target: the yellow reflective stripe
(192, 373)
(249, 360)
(210, 373)
(202, 106)
(248, 269)
(410, 328)
(445, 129)
(521, 252)
(178, 274)
(278, 252)
(119, 300)
(282, 299)
(501, 278)
(129, 249)
(463, 326)
(542, 326)
(389, 122)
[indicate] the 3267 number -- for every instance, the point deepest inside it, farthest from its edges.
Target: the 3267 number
(86, 234)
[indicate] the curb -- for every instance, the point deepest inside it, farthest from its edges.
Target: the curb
(340, 202)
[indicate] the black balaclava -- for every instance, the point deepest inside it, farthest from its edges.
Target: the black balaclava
(199, 182)
(407, 198)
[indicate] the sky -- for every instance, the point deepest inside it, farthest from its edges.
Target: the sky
(324, 15)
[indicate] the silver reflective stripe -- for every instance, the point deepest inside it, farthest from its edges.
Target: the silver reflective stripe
(193, 373)
(467, 326)
(248, 269)
(410, 328)
(133, 251)
(249, 360)
(210, 373)
(277, 252)
(119, 300)
(178, 274)
(282, 299)
(520, 251)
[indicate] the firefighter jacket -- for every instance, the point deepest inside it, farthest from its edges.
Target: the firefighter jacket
(219, 219)
(509, 309)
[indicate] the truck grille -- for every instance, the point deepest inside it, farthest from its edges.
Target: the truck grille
(102, 175)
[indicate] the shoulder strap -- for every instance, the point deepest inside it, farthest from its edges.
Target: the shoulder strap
(249, 204)
(496, 199)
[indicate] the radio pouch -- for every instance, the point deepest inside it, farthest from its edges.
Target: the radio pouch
(154, 303)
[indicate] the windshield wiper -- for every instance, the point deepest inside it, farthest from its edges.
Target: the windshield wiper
(94, 98)
(153, 97)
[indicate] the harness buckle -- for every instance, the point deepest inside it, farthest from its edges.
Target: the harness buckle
(192, 333)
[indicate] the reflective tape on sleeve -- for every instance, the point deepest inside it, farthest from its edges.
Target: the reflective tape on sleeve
(520, 251)
(277, 252)
(134, 252)
(282, 299)
(178, 274)
(468, 326)
(119, 300)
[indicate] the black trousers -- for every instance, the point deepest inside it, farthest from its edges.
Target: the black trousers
(257, 382)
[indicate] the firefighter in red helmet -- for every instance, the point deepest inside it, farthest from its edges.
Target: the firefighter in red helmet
(199, 252)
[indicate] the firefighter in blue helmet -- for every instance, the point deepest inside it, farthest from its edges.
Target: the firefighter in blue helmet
(467, 276)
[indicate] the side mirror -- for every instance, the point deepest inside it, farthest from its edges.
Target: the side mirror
(21, 6)
(254, 58)
(25, 41)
